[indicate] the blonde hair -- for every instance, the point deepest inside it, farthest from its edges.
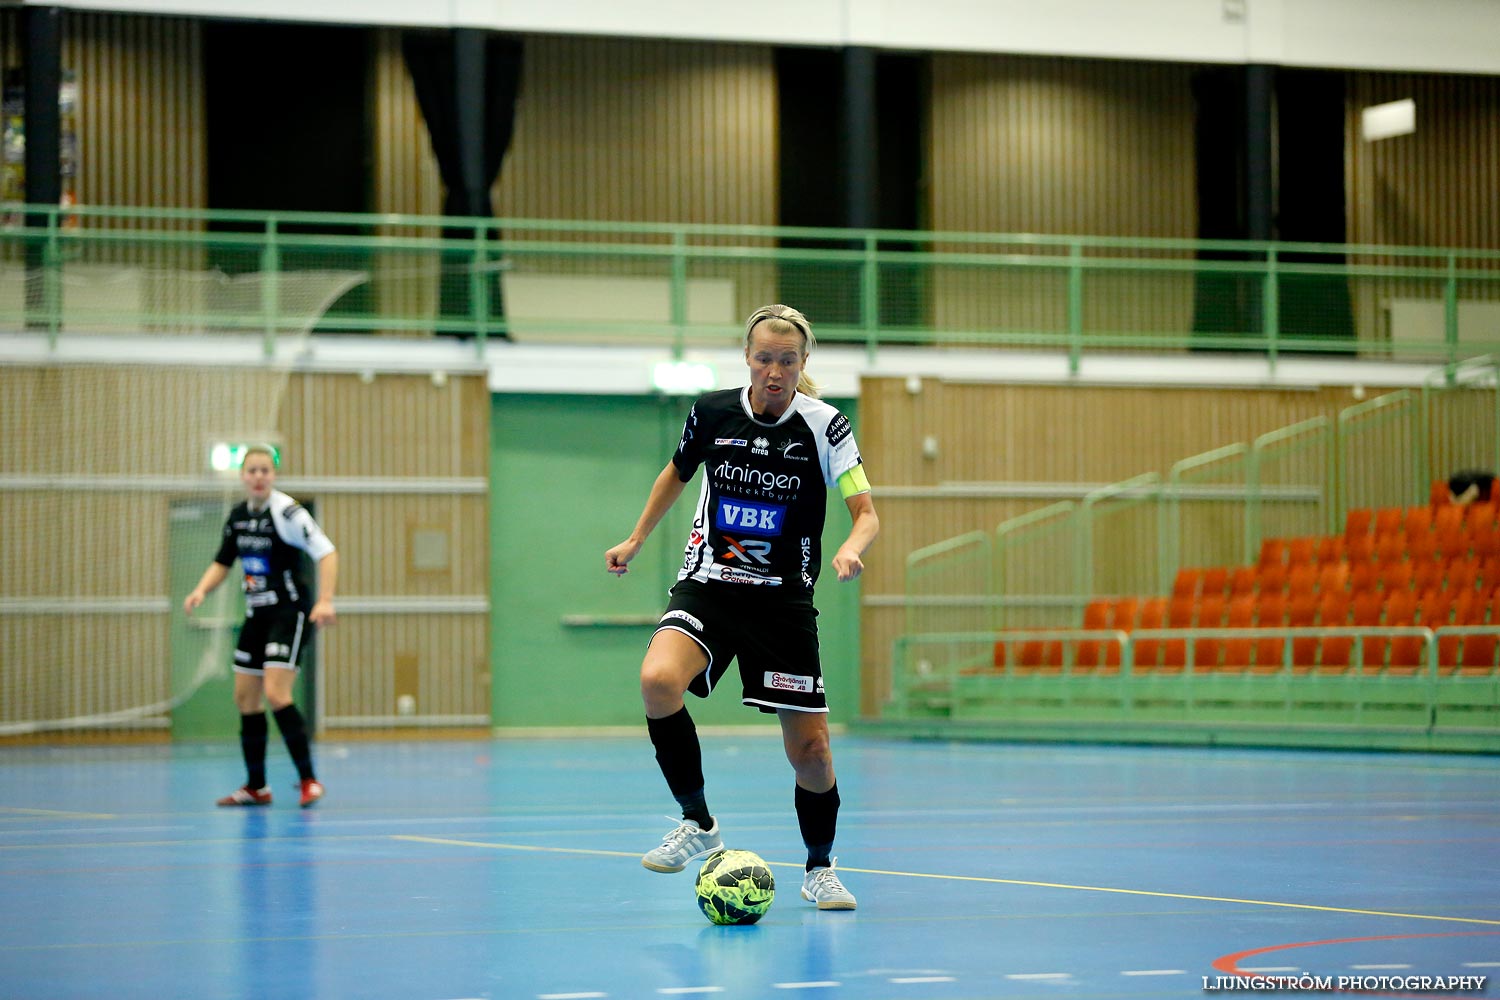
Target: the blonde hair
(260, 449)
(785, 319)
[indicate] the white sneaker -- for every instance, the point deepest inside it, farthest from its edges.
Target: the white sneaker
(822, 886)
(682, 846)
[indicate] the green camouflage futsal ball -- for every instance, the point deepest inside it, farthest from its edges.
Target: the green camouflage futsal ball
(735, 887)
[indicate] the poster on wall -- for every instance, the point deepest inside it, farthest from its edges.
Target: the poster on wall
(13, 143)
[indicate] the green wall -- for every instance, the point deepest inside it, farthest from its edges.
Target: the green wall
(569, 475)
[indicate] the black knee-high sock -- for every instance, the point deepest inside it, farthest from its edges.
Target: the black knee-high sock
(253, 746)
(680, 758)
(818, 816)
(289, 721)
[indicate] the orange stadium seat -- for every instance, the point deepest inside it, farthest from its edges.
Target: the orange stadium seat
(1358, 521)
(1210, 615)
(1333, 576)
(1395, 575)
(1186, 582)
(1122, 618)
(1303, 578)
(1242, 581)
(1174, 651)
(1388, 520)
(1363, 576)
(1421, 544)
(1272, 552)
(1153, 615)
(1331, 549)
(1365, 610)
(1426, 574)
(1406, 651)
(1271, 578)
(1215, 580)
(1359, 548)
(1241, 615)
(1302, 611)
(1270, 613)
(1096, 617)
(1333, 611)
(1418, 520)
(1301, 550)
(1446, 518)
(1479, 650)
(1390, 546)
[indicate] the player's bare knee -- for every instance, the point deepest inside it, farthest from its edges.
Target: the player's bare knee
(660, 686)
(811, 755)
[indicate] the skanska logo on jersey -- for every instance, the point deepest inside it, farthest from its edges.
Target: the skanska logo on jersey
(746, 517)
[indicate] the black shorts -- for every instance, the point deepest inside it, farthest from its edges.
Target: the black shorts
(273, 638)
(773, 635)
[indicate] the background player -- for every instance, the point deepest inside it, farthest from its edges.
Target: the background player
(267, 532)
(770, 451)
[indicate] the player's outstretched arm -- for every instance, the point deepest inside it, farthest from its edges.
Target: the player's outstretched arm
(848, 561)
(212, 577)
(322, 613)
(664, 493)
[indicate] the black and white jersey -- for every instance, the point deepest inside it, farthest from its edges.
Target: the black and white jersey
(268, 544)
(765, 487)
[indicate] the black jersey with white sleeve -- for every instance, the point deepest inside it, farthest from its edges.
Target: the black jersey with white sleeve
(268, 543)
(760, 512)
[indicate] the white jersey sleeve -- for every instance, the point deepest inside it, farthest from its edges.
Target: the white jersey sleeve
(297, 527)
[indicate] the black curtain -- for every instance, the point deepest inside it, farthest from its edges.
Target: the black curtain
(850, 130)
(467, 82)
(1270, 166)
(1310, 120)
(1223, 303)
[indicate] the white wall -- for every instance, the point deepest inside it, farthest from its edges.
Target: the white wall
(1419, 35)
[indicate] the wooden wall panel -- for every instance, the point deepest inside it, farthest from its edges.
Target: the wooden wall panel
(1060, 146)
(80, 665)
(607, 129)
(141, 127)
(1028, 436)
(446, 654)
(119, 428)
(1437, 186)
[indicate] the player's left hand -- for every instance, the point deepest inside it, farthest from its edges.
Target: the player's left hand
(322, 614)
(847, 564)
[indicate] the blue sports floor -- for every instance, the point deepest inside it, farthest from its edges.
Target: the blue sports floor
(509, 869)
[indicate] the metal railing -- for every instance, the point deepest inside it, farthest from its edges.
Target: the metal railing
(81, 269)
(960, 672)
(1299, 480)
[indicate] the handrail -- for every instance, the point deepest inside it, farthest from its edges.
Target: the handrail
(473, 254)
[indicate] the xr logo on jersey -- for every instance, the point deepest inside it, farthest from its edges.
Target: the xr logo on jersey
(753, 550)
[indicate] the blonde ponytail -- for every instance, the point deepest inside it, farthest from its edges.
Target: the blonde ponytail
(785, 319)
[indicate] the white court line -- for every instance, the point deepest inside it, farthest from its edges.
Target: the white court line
(1482, 965)
(691, 989)
(821, 984)
(91, 831)
(920, 979)
(1273, 968)
(1398, 965)
(570, 996)
(1040, 975)
(1154, 972)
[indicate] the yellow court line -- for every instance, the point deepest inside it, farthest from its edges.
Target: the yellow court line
(991, 881)
(59, 813)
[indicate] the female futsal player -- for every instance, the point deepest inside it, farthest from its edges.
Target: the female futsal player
(267, 532)
(770, 451)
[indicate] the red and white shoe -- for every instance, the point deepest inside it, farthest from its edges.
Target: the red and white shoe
(312, 791)
(247, 796)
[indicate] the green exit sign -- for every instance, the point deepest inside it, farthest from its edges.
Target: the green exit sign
(226, 456)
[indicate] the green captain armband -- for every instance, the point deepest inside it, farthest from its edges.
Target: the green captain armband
(853, 482)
